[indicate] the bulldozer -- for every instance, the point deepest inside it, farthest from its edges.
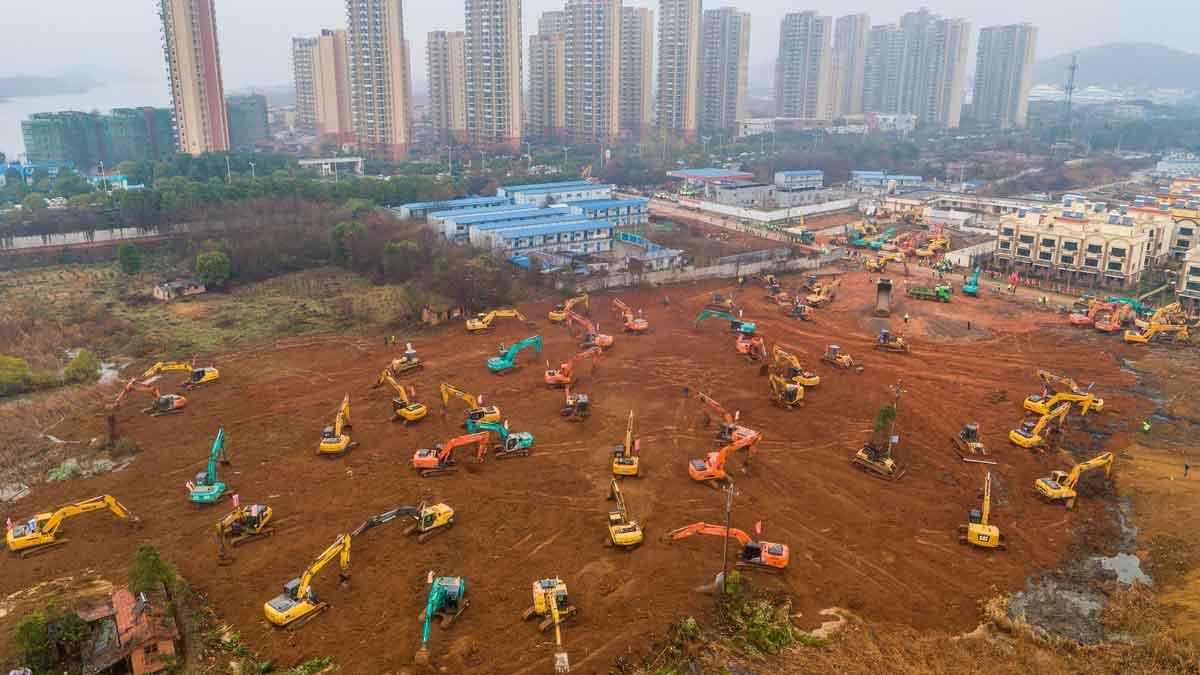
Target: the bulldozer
(834, 354)
(241, 526)
(753, 347)
(406, 363)
(784, 394)
(161, 404)
(1059, 486)
(197, 376)
(482, 322)
(890, 342)
(506, 361)
(476, 411)
(622, 532)
(208, 488)
(334, 439)
(758, 554)
(551, 603)
(625, 455)
(576, 408)
(875, 456)
(404, 407)
(39, 534)
(1035, 433)
(710, 469)
(967, 441)
(978, 531)
(439, 460)
(824, 295)
(559, 313)
(447, 600)
(631, 323)
(512, 444)
(721, 303)
(565, 373)
(795, 370)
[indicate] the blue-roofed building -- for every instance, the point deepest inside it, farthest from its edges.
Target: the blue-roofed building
(620, 212)
(454, 223)
(711, 175)
(583, 236)
(460, 228)
(419, 210)
(808, 179)
(880, 180)
(543, 194)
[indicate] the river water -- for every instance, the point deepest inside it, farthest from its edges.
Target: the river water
(128, 93)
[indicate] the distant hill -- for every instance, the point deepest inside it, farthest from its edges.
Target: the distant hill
(1125, 65)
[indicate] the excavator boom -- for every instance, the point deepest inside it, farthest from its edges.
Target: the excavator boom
(38, 533)
(754, 553)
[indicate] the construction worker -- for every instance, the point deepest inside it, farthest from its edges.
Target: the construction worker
(906, 318)
(1146, 426)
(1186, 468)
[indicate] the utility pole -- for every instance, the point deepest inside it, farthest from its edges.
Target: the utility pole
(1072, 70)
(228, 173)
(896, 407)
(252, 174)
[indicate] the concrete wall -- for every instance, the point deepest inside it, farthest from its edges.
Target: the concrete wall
(774, 216)
(727, 271)
(964, 256)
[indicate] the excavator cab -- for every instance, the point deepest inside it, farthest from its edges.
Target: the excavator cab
(543, 590)
(253, 519)
(332, 443)
(577, 408)
(765, 554)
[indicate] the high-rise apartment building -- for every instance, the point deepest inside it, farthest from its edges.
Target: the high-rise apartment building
(637, 70)
(883, 76)
(851, 38)
(493, 48)
(679, 67)
(935, 67)
(304, 54)
(247, 121)
(546, 109)
(724, 68)
(322, 77)
(86, 139)
(446, 58)
(593, 69)
(194, 67)
(380, 96)
(552, 22)
(1004, 74)
(803, 69)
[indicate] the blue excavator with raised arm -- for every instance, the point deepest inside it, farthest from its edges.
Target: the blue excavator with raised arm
(208, 488)
(512, 443)
(447, 599)
(506, 360)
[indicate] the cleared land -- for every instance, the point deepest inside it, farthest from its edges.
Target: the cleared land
(888, 551)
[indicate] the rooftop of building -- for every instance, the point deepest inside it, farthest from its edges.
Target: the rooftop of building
(463, 201)
(743, 184)
(706, 175)
(588, 204)
(479, 211)
(553, 228)
(539, 188)
(552, 219)
(508, 216)
(869, 175)
(802, 172)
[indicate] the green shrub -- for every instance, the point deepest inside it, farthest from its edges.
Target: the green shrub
(149, 570)
(65, 471)
(51, 642)
(84, 368)
(129, 258)
(213, 267)
(15, 376)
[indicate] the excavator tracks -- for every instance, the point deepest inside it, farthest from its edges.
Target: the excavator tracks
(435, 473)
(303, 621)
(43, 548)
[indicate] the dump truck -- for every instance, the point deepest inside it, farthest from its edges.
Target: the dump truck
(883, 297)
(940, 293)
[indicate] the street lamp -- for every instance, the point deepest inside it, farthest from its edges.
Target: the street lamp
(253, 175)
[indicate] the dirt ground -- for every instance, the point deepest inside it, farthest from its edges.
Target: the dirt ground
(888, 551)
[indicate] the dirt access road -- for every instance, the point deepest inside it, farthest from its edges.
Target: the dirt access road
(889, 551)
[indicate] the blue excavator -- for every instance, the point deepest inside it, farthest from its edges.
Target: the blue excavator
(447, 599)
(512, 443)
(735, 324)
(207, 487)
(506, 360)
(971, 287)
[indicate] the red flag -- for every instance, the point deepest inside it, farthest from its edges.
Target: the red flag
(758, 527)
(236, 500)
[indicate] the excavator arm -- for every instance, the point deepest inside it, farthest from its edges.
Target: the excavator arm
(343, 417)
(749, 441)
(1102, 460)
(710, 402)
(86, 506)
(707, 529)
(339, 549)
(986, 508)
(168, 366)
(478, 438)
(448, 391)
(218, 449)
(1052, 380)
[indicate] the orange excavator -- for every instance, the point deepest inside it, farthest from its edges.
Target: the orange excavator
(761, 554)
(440, 461)
(592, 337)
(632, 323)
(565, 374)
(751, 346)
(1116, 320)
(730, 429)
(710, 470)
(162, 404)
(1089, 318)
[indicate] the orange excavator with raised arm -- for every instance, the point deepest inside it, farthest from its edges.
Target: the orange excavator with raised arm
(632, 323)
(440, 461)
(730, 429)
(710, 470)
(592, 337)
(761, 554)
(162, 404)
(565, 374)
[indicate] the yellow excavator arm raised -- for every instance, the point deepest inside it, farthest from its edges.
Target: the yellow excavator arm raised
(450, 390)
(1104, 460)
(343, 417)
(38, 533)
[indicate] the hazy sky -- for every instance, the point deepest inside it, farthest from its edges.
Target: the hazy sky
(46, 36)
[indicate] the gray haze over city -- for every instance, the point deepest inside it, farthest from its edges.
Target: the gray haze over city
(123, 37)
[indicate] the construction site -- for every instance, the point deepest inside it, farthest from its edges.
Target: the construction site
(664, 373)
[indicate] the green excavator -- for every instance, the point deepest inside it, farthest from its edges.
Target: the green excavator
(506, 360)
(447, 599)
(208, 488)
(735, 324)
(512, 443)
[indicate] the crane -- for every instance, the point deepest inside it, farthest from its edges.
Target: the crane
(447, 600)
(761, 554)
(476, 411)
(565, 374)
(795, 370)
(298, 603)
(39, 533)
(711, 469)
(622, 532)
(1029, 435)
(161, 404)
(243, 525)
(785, 394)
(971, 286)
(550, 601)
(334, 439)
(512, 444)
(577, 407)
(592, 337)
(625, 455)
(978, 531)
(1059, 486)
(505, 361)
(196, 376)
(440, 461)
(404, 407)
(482, 322)
(730, 429)
(559, 313)
(1043, 403)
(735, 324)
(632, 324)
(208, 488)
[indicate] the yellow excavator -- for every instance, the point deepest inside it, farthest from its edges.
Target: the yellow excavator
(1059, 486)
(40, 533)
(1043, 403)
(1030, 434)
(622, 532)
(795, 370)
(482, 322)
(334, 439)
(784, 394)
(298, 603)
(550, 602)
(1172, 313)
(979, 531)
(242, 525)
(559, 313)
(880, 264)
(625, 456)
(196, 376)
(403, 406)
(476, 411)
(1159, 332)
